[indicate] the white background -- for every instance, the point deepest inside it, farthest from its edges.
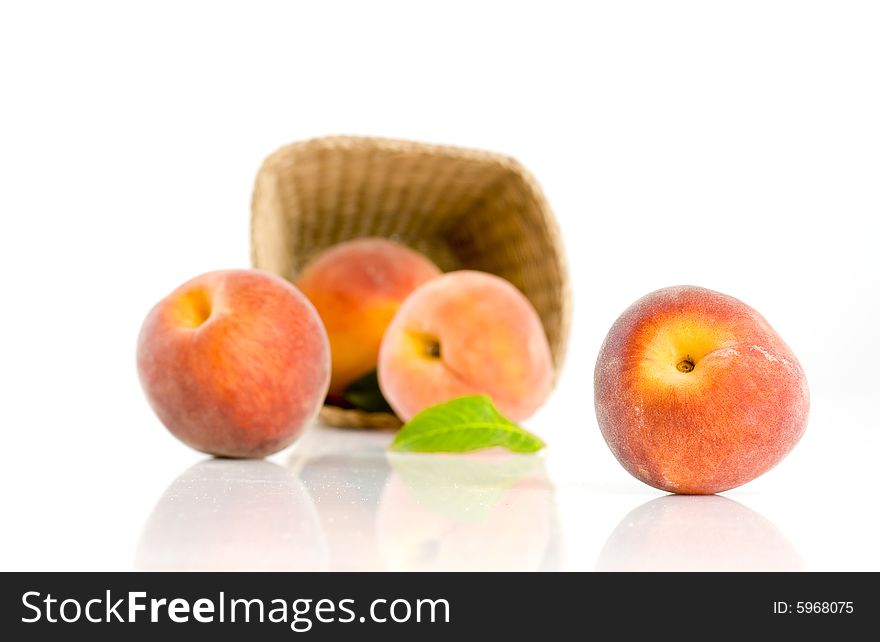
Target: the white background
(730, 145)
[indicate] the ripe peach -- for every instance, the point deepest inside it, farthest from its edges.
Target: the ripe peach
(357, 287)
(466, 333)
(695, 392)
(235, 363)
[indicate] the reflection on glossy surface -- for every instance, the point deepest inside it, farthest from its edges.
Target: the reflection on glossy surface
(233, 515)
(406, 512)
(344, 472)
(481, 511)
(345, 503)
(691, 533)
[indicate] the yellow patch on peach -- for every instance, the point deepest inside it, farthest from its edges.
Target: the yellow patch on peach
(681, 344)
(192, 307)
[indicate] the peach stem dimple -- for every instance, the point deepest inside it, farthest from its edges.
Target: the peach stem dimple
(426, 344)
(196, 307)
(432, 348)
(685, 365)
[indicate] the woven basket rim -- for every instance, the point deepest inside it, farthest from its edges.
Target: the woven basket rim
(350, 142)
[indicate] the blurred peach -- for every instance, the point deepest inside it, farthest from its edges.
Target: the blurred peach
(357, 287)
(466, 333)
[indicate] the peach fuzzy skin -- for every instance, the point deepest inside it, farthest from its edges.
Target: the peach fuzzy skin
(357, 287)
(235, 363)
(696, 393)
(466, 333)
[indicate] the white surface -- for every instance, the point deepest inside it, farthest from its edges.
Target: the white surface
(732, 146)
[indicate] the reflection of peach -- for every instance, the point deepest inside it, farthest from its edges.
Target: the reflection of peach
(466, 333)
(460, 516)
(233, 515)
(235, 363)
(357, 287)
(679, 533)
(696, 393)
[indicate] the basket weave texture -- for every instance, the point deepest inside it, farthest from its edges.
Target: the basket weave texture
(464, 209)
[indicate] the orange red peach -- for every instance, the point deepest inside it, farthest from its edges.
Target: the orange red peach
(235, 363)
(695, 393)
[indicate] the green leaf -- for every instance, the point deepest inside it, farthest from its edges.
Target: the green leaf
(364, 393)
(461, 425)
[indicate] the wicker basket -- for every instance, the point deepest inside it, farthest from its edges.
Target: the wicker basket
(462, 208)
